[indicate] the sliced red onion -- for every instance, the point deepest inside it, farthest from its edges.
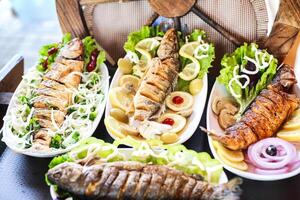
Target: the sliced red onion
(260, 159)
(271, 171)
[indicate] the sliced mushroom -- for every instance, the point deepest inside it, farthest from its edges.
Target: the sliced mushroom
(227, 118)
(128, 130)
(220, 103)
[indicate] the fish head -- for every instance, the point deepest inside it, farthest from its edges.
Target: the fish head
(64, 173)
(169, 45)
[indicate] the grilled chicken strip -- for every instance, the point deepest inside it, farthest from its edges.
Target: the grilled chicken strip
(159, 79)
(133, 180)
(266, 113)
(45, 114)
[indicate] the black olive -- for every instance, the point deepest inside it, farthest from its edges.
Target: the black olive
(271, 150)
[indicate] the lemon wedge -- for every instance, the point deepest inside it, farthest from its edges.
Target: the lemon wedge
(120, 98)
(195, 86)
(129, 82)
(294, 122)
(145, 46)
(113, 126)
(291, 136)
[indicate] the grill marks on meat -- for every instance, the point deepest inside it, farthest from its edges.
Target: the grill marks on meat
(159, 79)
(265, 115)
(133, 180)
(54, 93)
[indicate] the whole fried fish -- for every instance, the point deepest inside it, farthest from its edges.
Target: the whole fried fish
(159, 79)
(265, 115)
(134, 180)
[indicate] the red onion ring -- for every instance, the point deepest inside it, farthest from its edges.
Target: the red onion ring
(271, 171)
(257, 157)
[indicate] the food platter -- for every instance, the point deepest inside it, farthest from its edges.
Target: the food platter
(219, 90)
(31, 83)
(193, 120)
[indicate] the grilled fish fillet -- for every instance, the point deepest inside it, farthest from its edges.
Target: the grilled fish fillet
(54, 93)
(159, 79)
(265, 115)
(133, 180)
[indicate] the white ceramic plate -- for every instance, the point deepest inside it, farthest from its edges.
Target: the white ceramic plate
(192, 121)
(34, 153)
(212, 124)
(127, 152)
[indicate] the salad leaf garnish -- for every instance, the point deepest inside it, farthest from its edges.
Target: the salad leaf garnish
(257, 82)
(205, 63)
(145, 32)
(177, 156)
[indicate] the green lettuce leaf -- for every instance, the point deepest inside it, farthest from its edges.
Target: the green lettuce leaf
(176, 156)
(145, 32)
(90, 45)
(228, 63)
(205, 63)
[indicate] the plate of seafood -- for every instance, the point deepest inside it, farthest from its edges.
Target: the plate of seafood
(159, 90)
(253, 115)
(100, 170)
(60, 100)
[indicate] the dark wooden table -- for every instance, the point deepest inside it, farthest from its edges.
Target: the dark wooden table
(22, 177)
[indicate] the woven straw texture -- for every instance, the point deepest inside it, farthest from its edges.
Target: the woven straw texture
(110, 23)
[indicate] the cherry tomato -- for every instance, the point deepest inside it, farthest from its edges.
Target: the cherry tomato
(177, 100)
(93, 61)
(168, 121)
(52, 51)
(45, 63)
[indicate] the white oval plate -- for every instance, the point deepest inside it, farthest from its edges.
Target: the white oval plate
(212, 124)
(34, 153)
(192, 121)
(127, 152)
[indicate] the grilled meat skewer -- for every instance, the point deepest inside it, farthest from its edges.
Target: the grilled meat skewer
(134, 180)
(265, 115)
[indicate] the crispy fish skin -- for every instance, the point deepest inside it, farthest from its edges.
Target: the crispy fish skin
(266, 113)
(158, 80)
(133, 180)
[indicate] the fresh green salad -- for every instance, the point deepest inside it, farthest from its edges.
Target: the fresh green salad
(196, 55)
(245, 72)
(86, 100)
(176, 156)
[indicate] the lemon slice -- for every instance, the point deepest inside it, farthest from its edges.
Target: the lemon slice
(129, 82)
(186, 101)
(294, 122)
(237, 165)
(291, 136)
(145, 46)
(190, 71)
(188, 49)
(232, 156)
(113, 126)
(178, 122)
(195, 86)
(120, 98)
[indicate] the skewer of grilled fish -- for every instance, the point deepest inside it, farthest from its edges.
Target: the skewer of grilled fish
(158, 80)
(54, 93)
(134, 180)
(265, 115)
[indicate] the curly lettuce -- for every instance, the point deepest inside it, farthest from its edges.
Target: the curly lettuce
(145, 32)
(257, 82)
(205, 63)
(176, 156)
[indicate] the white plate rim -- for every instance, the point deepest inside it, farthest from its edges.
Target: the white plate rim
(198, 110)
(29, 152)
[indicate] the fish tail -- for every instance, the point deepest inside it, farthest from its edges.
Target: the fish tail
(228, 191)
(212, 134)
